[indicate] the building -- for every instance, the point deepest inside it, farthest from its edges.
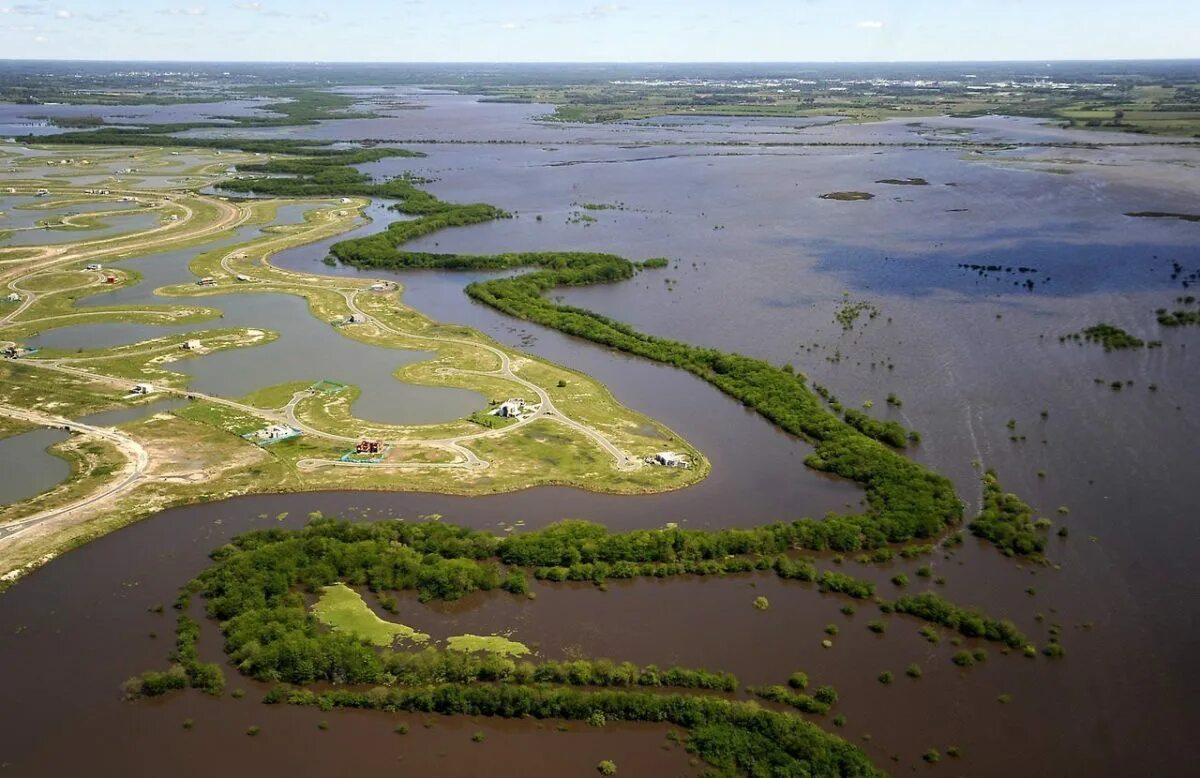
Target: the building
(207, 281)
(13, 298)
(241, 277)
(509, 409)
(272, 433)
(380, 286)
(191, 345)
(670, 459)
(357, 318)
(369, 447)
(110, 279)
(93, 266)
(43, 193)
(142, 389)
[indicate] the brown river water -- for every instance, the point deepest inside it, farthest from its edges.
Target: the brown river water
(759, 264)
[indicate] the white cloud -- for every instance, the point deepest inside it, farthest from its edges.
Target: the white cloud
(253, 6)
(193, 10)
(39, 39)
(869, 25)
(62, 13)
(510, 25)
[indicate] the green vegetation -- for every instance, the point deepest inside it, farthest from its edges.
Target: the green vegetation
(1007, 521)
(735, 737)
(606, 767)
(761, 603)
(973, 624)
(847, 196)
(490, 644)
(254, 589)
(1178, 318)
(786, 696)
(343, 609)
(1187, 217)
(1112, 338)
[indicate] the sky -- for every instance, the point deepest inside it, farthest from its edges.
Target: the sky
(569, 31)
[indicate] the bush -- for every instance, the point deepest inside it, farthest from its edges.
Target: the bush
(963, 659)
(798, 680)
(607, 767)
(913, 671)
(827, 695)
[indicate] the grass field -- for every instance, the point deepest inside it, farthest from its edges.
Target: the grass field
(343, 609)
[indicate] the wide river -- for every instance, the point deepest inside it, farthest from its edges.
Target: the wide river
(759, 265)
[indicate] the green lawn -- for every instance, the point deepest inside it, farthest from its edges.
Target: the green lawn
(343, 609)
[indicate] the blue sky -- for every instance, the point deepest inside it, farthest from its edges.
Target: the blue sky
(564, 30)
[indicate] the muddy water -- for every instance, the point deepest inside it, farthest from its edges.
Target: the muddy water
(771, 262)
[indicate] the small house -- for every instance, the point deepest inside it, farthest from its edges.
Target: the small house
(669, 459)
(142, 389)
(43, 193)
(241, 277)
(13, 298)
(345, 200)
(357, 318)
(191, 345)
(207, 281)
(380, 286)
(509, 409)
(110, 279)
(93, 266)
(368, 447)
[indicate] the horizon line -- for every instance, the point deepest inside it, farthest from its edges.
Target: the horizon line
(1047, 61)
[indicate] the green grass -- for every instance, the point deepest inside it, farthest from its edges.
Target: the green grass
(492, 644)
(343, 609)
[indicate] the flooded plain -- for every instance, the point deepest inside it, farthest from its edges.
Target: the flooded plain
(759, 264)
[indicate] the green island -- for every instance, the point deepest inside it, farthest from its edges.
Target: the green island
(258, 586)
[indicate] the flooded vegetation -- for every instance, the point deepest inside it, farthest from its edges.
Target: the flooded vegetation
(986, 581)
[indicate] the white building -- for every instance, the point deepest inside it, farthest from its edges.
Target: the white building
(357, 318)
(509, 409)
(670, 459)
(93, 266)
(191, 345)
(142, 389)
(274, 432)
(13, 298)
(380, 286)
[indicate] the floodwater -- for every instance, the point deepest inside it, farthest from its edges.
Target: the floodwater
(759, 265)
